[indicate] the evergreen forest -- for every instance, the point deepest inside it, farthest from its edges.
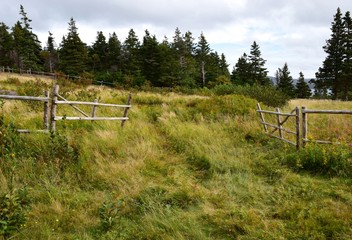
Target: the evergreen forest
(185, 61)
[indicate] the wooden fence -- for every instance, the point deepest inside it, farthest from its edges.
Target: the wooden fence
(51, 104)
(278, 127)
(46, 109)
(301, 124)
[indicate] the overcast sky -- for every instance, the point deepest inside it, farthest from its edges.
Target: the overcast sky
(291, 31)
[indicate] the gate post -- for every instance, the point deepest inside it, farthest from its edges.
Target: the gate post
(297, 129)
(53, 108)
(304, 127)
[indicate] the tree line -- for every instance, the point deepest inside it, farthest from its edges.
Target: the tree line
(182, 62)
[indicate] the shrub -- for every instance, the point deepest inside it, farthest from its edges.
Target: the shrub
(265, 94)
(329, 160)
(13, 208)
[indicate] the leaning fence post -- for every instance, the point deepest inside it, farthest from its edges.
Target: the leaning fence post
(304, 127)
(297, 129)
(53, 108)
(262, 117)
(126, 109)
(46, 111)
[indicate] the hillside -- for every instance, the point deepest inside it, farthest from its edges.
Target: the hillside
(183, 167)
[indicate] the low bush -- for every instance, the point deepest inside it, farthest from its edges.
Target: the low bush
(335, 160)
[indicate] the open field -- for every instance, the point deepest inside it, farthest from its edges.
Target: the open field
(183, 167)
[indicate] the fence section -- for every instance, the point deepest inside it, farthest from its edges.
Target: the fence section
(51, 106)
(46, 109)
(278, 126)
(301, 124)
(306, 112)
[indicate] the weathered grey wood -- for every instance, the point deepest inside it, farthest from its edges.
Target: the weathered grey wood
(283, 139)
(53, 108)
(76, 108)
(126, 109)
(304, 127)
(90, 118)
(279, 122)
(262, 117)
(13, 97)
(94, 108)
(277, 128)
(298, 140)
(46, 111)
(32, 131)
(92, 103)
(276, 113)
(329, 111)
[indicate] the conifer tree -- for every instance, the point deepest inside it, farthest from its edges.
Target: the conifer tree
(241, 73)
(330, 74)
(150, 56)
(302, 87)
(347, 58)
(202, 55)
(50, 55)
(98, 53)
(26, 44)
(73, 52)
(285, 81)
(114, 53)
(131, 54)
(258, 71)
(6, 46)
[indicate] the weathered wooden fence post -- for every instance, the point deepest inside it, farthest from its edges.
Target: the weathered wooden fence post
(94, 108)
(278, 118)
(262, 117)
(126, 109)
(304, 127)
(46, 111)
(297, 129)
(53, 108)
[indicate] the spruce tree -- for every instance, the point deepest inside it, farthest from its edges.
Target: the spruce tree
(330, 74)
(26, 44)
(202, 56)
(50, 55)
(347, 58)
(73, 52)
(6, 46)
(98, 53)
(285, 81)
(241, 73)
(151, 57)
(258, 71)
(131, 54)
(114, 53)
(302, 87)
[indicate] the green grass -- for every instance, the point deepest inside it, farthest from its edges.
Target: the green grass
(183, 167)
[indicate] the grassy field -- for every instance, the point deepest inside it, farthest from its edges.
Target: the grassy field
(183, 167)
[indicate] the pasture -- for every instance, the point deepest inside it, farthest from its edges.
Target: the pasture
(183, 167)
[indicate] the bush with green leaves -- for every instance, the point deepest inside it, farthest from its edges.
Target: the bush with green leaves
(330, 160)
(268, 95)
(13, 208)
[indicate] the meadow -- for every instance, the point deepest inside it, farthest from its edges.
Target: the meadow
(185, 166)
